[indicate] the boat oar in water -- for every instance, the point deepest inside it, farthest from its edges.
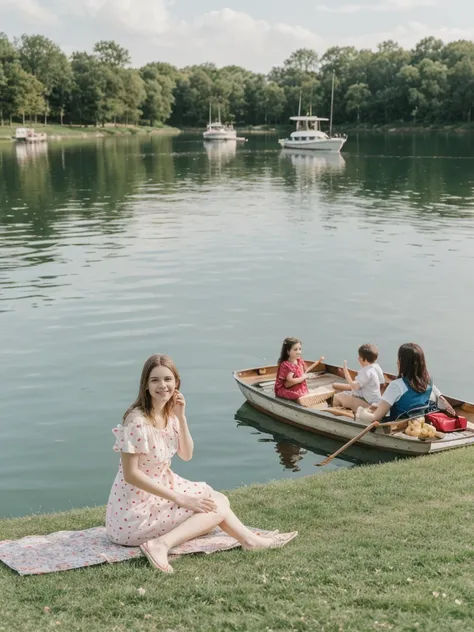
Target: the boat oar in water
(370, 427)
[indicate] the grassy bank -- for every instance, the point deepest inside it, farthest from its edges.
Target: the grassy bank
(59, 132)
(380, 548)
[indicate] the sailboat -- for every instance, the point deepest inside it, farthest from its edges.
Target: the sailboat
(217, 130)
(308, 134)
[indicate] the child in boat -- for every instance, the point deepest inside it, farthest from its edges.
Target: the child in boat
(411, 392)
(365, 389)
(291, 377)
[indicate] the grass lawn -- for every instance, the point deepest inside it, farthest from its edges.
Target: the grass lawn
(386, 547)
(76, 131)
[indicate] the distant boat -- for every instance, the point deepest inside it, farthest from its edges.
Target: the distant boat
(28, 135)
(308, 135)
(217, 130)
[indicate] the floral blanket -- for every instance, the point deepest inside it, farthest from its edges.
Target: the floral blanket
(65, 550)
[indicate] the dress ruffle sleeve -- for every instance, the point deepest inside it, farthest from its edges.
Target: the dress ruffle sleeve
(132, 437)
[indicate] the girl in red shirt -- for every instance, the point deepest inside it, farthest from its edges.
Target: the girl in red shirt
(291, 377)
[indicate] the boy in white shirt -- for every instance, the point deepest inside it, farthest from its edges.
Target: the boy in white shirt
(365, 389)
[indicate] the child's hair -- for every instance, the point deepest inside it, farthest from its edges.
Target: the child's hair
(412, 366)
(144, 401)
(286, 347)
(369, 353)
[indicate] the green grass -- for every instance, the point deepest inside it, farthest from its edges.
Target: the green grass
(385, 547)
(76, 131)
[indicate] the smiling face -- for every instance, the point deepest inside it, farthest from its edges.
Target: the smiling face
(161, 385)
(295, 352)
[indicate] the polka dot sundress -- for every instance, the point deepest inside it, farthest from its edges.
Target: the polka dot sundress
(134, 516)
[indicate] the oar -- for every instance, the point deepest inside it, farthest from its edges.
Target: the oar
(314, 365)
(374, 424)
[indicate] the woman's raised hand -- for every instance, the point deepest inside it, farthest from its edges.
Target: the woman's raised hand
(179, 405)
(197, 505)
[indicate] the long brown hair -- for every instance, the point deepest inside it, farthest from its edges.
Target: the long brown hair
(412, 366)
(144, 401)
(286, 347)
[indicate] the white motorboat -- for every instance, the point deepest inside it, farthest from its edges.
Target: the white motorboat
(308, 135)
(218, 130)
(28, 135)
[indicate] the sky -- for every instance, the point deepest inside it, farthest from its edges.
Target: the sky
(256, 34)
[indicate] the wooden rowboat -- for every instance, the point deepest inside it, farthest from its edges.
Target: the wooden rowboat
(257, 387)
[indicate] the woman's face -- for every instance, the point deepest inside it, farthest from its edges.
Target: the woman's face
(161, 385)
(295, 352)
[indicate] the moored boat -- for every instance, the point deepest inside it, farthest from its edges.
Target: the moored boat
(257, 386)
(29, 135)
(309, 136)
(217, 130)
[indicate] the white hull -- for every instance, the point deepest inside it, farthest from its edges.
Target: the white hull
(343, 429)
(327, 144)
(229, 135)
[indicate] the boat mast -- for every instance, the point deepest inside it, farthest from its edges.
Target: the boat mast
(210, 112)
(332, 105)
(298, 124)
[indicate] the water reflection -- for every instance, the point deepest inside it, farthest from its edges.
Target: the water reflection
(292, 444)
(220, 153)
(314, 163)
(30, 151)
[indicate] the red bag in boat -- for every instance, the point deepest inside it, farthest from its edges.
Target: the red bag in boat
(446, 423)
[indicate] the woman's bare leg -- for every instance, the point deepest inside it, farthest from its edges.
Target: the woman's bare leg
(198, 524)
(235, 528)
(201, 523)
(349, 401)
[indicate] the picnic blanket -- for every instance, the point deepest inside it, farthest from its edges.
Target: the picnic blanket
(65, 550)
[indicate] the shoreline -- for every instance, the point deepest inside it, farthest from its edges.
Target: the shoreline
(71, 132)
(389, 128)
(380, 547)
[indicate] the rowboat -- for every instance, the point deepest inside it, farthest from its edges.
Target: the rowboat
(257, 386)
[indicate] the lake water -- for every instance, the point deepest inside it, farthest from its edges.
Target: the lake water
(111, 250)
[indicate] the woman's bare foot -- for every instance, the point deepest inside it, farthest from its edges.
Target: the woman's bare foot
(276, 541)
(157, 553)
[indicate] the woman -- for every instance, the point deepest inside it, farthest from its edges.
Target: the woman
(413, 391)
(150, 506)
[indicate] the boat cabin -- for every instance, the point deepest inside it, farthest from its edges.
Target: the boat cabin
(308, 128)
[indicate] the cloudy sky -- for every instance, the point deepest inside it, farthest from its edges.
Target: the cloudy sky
(256, 34)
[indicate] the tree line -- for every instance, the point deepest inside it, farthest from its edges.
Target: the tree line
(433, 82)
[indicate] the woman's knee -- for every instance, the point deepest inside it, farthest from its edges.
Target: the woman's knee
(222, 503)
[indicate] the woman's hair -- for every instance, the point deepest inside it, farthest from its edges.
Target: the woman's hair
(412, 366)
(369, 353)
(144, 401)
(287, 345)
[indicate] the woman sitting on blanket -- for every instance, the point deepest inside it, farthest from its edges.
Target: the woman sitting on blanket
(413, 390)
(150, 506)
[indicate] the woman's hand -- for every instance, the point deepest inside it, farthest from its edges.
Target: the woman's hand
(197, 505)
(179, 405)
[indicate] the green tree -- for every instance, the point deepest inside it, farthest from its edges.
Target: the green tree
(304, 59)
(112, 54)
(88, 89)
(43, 59)
(134, 95)
(358, 97)
(29, 95)
(158, 85)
